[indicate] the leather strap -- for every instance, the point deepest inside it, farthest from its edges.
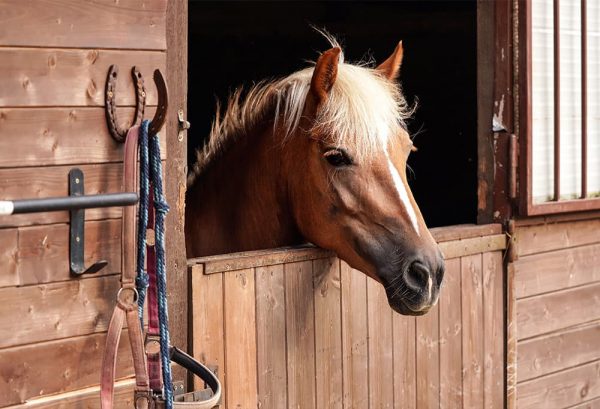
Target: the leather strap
(126, 307)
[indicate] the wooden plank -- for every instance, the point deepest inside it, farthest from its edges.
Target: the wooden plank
(260, 258)
(593, 404)
(511, 338)
(300, 332)
(428, 359)
(475, 245)
(208, 338)
(35, 183)
(270, 337)
(543, 355)
(176, 172)
(88, 398)
(135, 24)
(9, 253)
(556, 270)
(381, 369)
(550, 312)
(405, 381)
(240, 341)
(43, 252)
(61, 136)
(548, 237)
(328, 333)
(472, 331)
(464, 231)
(493, 330)
(451, 337)
(57, 366)
(70, 77)
(354, 338)
(561, 389)
(52, 311)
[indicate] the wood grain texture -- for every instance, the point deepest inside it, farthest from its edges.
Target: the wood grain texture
(550, 312)
(543, 355)
(557, 236)
(428, 359)
(56, 367)
(557, 270)
(70, 77)
(493, 331)
(465, 231)
(381, 360)
(43, 252)
(9, 255)
(61, 136)
(270, 337)
(59, 310)
(175, 172)
(240, 339)
(470, 246)
(136, 24)
(451, 359)
(405, 381)
(328, 333)
(472, 331)
(562, 389)
(207, 319)
(300, 333)
(88, 398)
(354, 338)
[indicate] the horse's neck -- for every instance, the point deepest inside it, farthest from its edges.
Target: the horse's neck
(240, 202)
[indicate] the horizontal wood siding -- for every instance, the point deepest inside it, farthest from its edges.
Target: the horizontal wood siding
(54, 58)
(321, 335)
(557, 283)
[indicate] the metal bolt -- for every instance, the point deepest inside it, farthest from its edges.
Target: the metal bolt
(76, 180)
(144, 94)
(77, 239)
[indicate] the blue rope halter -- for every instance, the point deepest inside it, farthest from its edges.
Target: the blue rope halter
(151, 172)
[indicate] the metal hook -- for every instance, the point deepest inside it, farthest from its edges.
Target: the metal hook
(77, 232)
(163, 103)
(118, 133)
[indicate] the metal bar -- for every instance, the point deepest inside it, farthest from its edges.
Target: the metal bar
(583, 99)
(556, 101)
(55, 204)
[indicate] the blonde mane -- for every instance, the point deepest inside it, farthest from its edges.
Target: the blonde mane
(363, 110)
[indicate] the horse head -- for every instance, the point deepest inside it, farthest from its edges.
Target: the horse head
(345, 165)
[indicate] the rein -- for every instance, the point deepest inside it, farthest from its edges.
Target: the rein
(153, 389)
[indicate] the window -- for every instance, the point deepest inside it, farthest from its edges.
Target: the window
(560, 116)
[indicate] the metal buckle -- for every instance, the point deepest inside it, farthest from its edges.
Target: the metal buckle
(143, 400)
(152, 344)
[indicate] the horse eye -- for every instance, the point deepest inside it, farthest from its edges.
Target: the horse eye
(337, 158)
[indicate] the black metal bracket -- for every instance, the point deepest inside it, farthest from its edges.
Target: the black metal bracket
(77, 232)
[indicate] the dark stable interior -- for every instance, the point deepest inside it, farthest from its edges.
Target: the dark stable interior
(238, 43)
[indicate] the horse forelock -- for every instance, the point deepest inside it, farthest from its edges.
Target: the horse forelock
(363, 110)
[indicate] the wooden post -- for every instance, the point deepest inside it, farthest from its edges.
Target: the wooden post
(177, 19)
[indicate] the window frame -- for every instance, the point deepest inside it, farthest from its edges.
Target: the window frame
(524, 75)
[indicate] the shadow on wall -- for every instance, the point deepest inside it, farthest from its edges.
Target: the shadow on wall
(236, 43)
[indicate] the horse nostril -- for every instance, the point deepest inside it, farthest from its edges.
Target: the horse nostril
(417, 276)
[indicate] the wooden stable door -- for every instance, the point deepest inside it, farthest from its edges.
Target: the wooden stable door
(298, 328)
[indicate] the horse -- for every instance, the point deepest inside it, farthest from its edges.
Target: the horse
(318, 156)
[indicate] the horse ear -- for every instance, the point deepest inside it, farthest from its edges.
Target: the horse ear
(390, 68)
(325, 73)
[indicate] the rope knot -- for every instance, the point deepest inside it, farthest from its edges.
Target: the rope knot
(161, 207)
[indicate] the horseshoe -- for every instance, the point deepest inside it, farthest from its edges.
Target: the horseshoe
(110, 106)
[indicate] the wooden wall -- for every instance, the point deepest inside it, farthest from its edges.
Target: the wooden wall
(54, 56)
(300, 329)
(557, 321)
